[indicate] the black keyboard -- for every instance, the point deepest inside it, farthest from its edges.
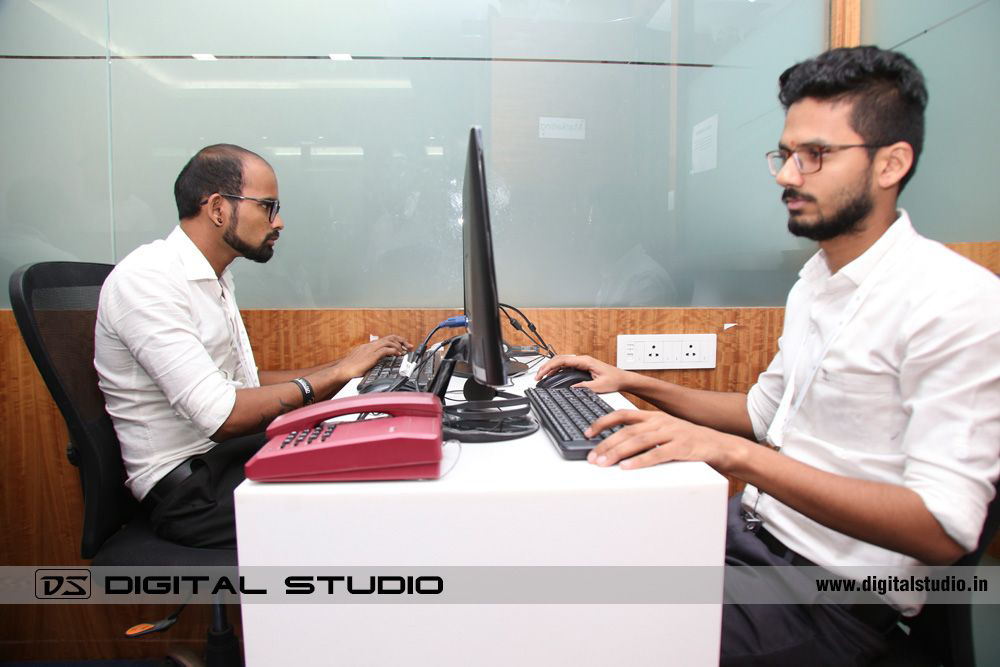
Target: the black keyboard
(565, 413)
(388, 367)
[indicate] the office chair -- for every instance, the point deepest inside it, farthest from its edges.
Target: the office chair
(55, 306)
(942, 634)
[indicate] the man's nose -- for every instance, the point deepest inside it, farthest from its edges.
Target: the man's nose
(789, 174)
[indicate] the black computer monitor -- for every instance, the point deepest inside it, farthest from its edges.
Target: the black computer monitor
(484, 347)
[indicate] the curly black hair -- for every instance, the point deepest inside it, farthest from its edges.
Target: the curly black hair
(885, 87)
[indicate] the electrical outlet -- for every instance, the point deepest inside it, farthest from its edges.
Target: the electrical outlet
(659, 351)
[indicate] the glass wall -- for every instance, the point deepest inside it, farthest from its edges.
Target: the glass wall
(953, 195)
(624, 139)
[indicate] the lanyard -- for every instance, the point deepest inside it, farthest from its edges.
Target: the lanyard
(786, 409)
(239, 339)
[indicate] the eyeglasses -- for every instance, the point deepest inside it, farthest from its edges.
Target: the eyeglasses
(808, 158)
(272, 205)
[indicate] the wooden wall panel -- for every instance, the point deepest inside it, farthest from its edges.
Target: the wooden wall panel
(845, 23)
(40, 502)
(984, 253)
(41, 513)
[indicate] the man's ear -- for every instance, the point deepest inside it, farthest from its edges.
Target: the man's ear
(892, 163)
(215, 208)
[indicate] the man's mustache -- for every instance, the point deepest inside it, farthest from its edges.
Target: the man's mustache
(792, 193)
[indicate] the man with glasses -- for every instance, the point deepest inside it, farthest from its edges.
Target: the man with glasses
(173, 358)
(881, 411)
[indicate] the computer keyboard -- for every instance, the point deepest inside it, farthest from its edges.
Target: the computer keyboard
(564, 414)
(388, 367)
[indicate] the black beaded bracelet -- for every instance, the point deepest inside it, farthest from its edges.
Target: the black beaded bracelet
(308, 396)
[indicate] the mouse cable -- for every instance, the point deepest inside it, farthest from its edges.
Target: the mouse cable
(517, 325)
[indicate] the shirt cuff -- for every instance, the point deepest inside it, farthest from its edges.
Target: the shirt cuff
(963, 521)
(209, 403)
(755, 403)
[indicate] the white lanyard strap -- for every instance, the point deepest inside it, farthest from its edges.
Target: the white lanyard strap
(785, 411)
(239, 340)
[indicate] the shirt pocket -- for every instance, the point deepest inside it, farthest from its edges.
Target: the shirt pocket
(857, 411)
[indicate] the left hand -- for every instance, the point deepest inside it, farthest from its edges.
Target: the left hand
(651, 437)
(357, 362)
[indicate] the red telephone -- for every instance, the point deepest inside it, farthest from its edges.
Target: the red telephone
(404, 445)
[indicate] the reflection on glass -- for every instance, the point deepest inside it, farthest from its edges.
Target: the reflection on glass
(587, 109)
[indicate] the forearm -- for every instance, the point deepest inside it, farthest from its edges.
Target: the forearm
(887, 515)
(256, 408)
(277, 377)
(722, 411)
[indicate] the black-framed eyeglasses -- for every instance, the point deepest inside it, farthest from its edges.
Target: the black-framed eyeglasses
(808, 157)
(272, 205)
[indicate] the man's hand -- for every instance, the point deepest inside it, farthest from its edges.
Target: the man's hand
(651, 437)
(357, 362)
(607, 378)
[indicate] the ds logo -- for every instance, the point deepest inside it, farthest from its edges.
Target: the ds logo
(61, 584)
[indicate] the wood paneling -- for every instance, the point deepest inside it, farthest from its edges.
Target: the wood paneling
(845, 23)
(41, 514)
(985, 253)
(41, 502)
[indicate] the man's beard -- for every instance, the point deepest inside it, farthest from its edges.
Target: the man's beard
(845, 220)
(260, 254)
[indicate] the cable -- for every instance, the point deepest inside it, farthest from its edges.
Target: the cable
(414, 360)
(450, 322)
(489, 421)
(430, 355)
(517, 325)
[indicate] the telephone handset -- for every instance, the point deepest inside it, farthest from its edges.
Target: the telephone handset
(404, 445)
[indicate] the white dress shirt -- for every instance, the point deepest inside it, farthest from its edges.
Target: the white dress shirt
(908, 393)
(170, 352)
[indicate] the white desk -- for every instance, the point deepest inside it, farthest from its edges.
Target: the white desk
(515, 503)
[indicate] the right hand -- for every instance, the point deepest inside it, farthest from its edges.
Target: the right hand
(607, 378)
(357, 362)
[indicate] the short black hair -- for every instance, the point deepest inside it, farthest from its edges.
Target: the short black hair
(216, 168)
(885, 87)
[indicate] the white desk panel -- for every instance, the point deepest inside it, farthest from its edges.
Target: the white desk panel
(514, 503)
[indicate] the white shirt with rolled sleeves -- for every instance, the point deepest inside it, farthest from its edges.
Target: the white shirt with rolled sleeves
(170, 352)
(908, 393)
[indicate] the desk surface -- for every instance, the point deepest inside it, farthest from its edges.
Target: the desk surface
(512, 503)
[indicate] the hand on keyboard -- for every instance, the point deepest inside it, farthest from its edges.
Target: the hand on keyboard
(644, 438)
(363, 357)
(565, 413)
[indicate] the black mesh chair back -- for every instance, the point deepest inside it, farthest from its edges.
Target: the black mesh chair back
(946, 630)
(55, 305)
(942, 634)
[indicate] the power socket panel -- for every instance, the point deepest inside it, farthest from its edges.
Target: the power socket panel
(638, 352)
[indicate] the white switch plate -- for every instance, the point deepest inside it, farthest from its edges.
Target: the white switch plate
(660, 351)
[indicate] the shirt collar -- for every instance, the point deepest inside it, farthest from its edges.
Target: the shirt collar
(196, 266)
(817, 272)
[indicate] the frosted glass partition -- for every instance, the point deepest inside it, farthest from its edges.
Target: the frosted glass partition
(54, 202)
(954, 194)
(624, 140)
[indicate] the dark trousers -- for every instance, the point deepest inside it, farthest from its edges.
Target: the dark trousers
(199, 512)
(774, 635)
